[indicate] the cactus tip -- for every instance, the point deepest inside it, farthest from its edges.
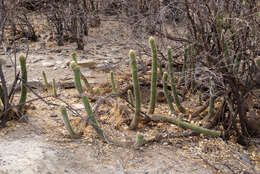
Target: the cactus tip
(73, 65)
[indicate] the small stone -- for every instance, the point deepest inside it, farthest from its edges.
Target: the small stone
(53, 114)
(48, 64)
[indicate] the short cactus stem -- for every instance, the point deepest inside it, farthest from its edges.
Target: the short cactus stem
(113, 83)
(54, 90)
(85, 100)
(136, 86)
(139, 140)
(47, 85)
(166, 93)
(130, 97)
(175, 95)
(22, 60)
(67, 123)
(154, 76)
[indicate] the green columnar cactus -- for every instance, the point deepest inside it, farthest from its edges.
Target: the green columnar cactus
(45, 80)
(166, 93)
(130, 97)
(73, 134)
(154, 76)
(113, 83)
(54, 90)
(139, 140)
(85, 100)
(175, 95)
(135, 120)
(22, 60)
(74, 57)
(257, 62)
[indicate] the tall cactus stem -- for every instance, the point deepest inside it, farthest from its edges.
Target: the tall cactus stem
(136, 86)
(54, 90)
(65, 117)
(154, 76)
(24, 79)
(130, 97)
(85, 101)
(166, 92)
(175, 95)
(113, 83)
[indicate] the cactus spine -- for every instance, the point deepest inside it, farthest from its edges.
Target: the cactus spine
(175, 95)
(67, 123)
(24, 79)
(85, 100)
(135, 120)
(166, 92)
(113, 83)
(154, 76)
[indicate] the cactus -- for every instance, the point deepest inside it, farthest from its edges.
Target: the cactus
(139, 140)
(135, 120)
(73, 134)
(160, 69)
(47, 85)
(22, 60)
(74, 57)
(85, 100)
(166, 93)
(54, 88)
(175, 95)
(154, 76)
(113, 83)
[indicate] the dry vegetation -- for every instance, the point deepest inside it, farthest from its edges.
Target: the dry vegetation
(216, 66)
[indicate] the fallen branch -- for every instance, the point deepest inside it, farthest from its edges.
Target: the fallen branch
(158, 117)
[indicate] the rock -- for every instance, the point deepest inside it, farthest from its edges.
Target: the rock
(48, 64)
(88, 64)
(78, 106)
(53, 114)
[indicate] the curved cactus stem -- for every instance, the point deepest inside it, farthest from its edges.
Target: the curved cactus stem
(113, 83)
(135, 120)
(54, 90)
(175, 95)
(154, 76)
(166, 93)
(67, 123)
(130, 97)
(85, 101)
(24, 79)
(185, 125)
